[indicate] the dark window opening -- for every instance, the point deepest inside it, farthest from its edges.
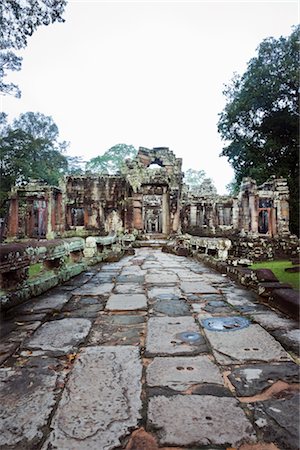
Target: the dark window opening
(77, 215)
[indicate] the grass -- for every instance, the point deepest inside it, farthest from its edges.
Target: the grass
(35, 269)
(277, 268)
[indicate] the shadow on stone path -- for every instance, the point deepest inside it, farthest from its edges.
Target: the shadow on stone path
(152, 352)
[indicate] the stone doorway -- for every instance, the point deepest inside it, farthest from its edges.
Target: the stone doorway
(36, 224)
(152, 214)
(263, 221)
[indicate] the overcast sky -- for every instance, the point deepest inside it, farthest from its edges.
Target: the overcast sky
(149, 74)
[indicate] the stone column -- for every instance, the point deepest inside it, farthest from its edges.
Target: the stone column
(282, 216)
(193, 215)
(165, 212)
(253, 213)
(235, 214)
(221, 214)
(61, 219)
(13, 223)
(50, 215)
(137, 213)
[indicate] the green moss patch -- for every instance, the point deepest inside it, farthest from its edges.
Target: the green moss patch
(35, 270)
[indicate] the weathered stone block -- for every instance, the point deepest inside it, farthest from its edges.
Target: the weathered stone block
(287, 301)
(126, 302)
(247, 344)
(179, 373)
(61, 336)
(27, 398)
(105, 412)
(189, 420)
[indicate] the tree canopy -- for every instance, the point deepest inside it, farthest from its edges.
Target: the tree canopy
(193, 178)
(29, 148)
(112, 160)
(19, 19)
(199, 183)
(260, 120)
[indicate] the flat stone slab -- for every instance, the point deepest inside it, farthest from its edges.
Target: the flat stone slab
(102, 400)
(130, 278)
(94, 289)
(246, 344)
(252, 379)
(133, 288)
(271, 321)
(105, 277)
(161, 277)
(171, 307)
(44, 303)
(290, 339)
(59, 335)
(238, 297)
(27, 397)
(197, 288)
(126, 302)
(199, 420)
(278, 420)
(132, 270)
(162, 336)
(164, 293)
(180, 373)
(117, 330)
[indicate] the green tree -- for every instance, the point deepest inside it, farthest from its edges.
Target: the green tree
(112, 160)
(29, 148)
(193, 178)
(19, 19)
(260, 120)
(75, 165)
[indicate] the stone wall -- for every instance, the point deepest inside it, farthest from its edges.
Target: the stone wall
(262, 210)
(261, 248)
(146, 196)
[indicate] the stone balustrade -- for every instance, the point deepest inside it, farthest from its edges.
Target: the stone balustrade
(30, 268)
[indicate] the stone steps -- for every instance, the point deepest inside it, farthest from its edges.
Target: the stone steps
(155, 240)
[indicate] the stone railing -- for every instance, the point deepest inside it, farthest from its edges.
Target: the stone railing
(215, 253)
(30, 268)
(263, 282)
(191, 245)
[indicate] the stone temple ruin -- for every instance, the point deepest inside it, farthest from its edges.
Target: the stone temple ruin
(148, 197)
(62, 230)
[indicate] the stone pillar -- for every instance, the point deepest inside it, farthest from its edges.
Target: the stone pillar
(50, 215)
(282, 216)
(282, 203)
(221, 214)
(193, 215)
(253, 213)
(60, 225)
(211, 219)
(165, 212)
(235, 214)
(137, 213)
(13, 223)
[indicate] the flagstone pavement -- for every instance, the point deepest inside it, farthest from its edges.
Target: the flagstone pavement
(155, 351)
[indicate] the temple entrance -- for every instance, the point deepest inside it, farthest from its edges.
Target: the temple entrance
(152, 214)
(263, 221)
(36, 224)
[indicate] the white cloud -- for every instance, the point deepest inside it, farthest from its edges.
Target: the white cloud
(145, 73)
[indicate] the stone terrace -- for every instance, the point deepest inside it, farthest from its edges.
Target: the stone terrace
(155, 351)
